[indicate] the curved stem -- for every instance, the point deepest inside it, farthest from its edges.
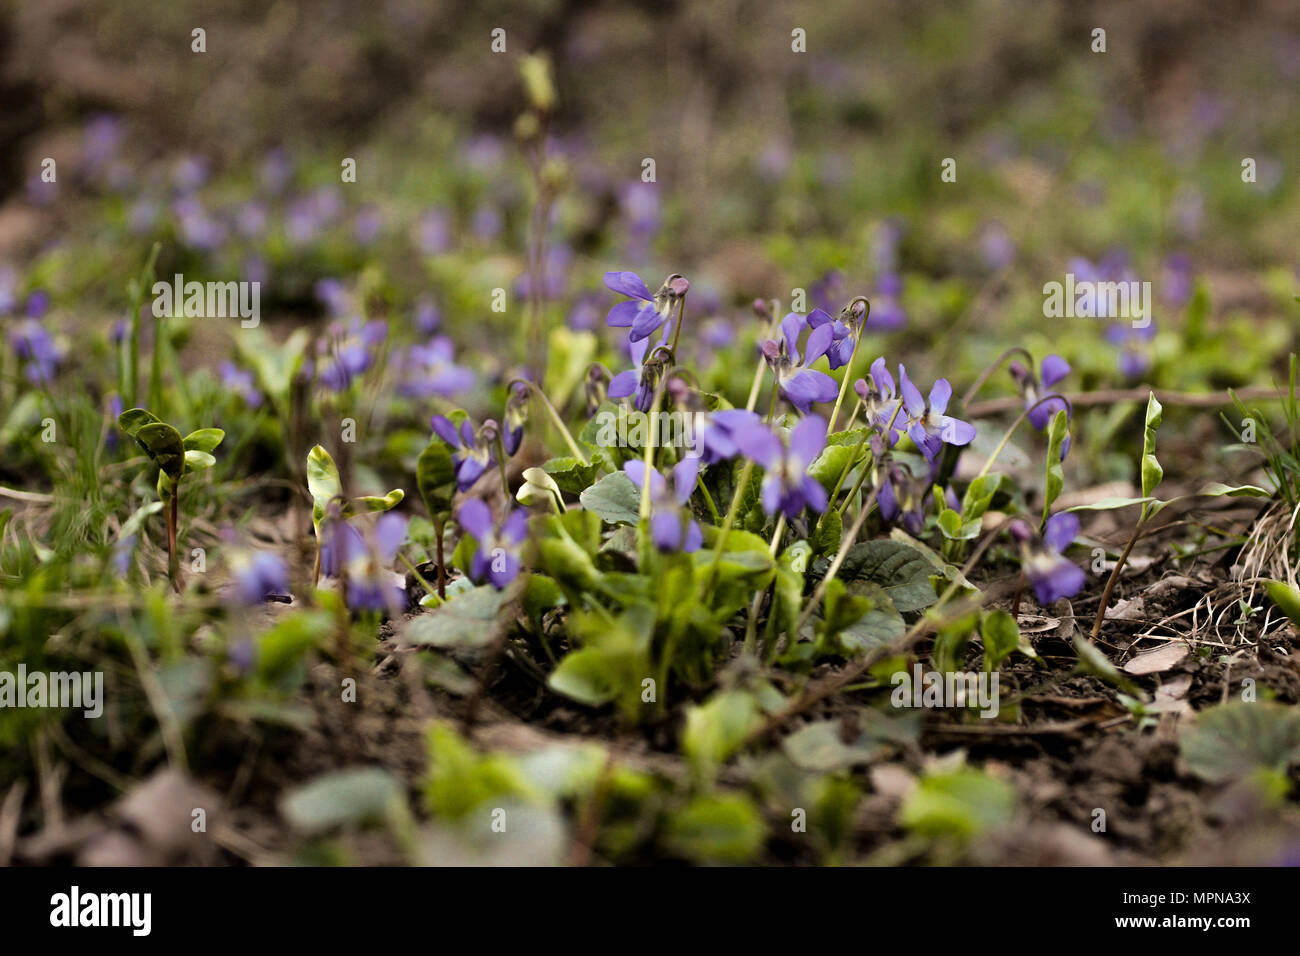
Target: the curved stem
(677, 326)
(762, 362)
(555, 417)
(1016, 424)
(845, 543)
(993, 367)
(1114, 577)
(751, 625)
(741, 484)
(848, 374)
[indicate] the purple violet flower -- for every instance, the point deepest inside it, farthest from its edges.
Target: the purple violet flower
(880, 401)
(372, 586)
(840, 351)
(497, 558)
(643, 313)
(236, 379)
(715, 433)
(787, 486)
(1054, 368)
(471, 454)
(927, 424)
(260, 576)
(1052, 575)
(902, 498)
(640, 379)
(799, 383)
(429, 370)
(671, 527)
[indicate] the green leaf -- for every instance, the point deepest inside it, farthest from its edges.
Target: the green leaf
(198, 460)
(133, 419)
(351, 797)
(724, 828)
(715, 730)
(878, 626)
(1238, 739)
(1286, 598)
(1219, 489)
(614, 660)
(541, 594)
(1152, 473)
(1111, 504)
(1057, 433)
(1093, 661)
(571, 475)
(460, 779)
(322, 477)
(960, 803)
(821, 747)
(581, 676)
(368, 504)
(828, 465)
(435, 477)
(204, 439)
(614, 498)
(274, 364)
(901, 570)
(284, 644)
(463, 621)
(829, 532)
(1001, 636)
(163, 445)
(787, 592)
(951, 525)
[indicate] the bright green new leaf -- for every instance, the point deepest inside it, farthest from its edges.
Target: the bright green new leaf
(204, 439)
(435, 477)
(1152, 473)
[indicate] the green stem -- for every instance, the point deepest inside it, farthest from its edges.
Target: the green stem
(555, 417)
(993, 367)
(762, 362)
(845, 543)
(677, 327)
(708, 499)
(1012, 430)
(741, 484)
(751, 625)
(848, 374)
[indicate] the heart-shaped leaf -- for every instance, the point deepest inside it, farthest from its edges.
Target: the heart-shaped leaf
(164, 446)
(435, 477)
(204, 439)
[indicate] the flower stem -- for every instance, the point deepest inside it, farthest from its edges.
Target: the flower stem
(762, 363)
(848, 374)
(1114, 577)
(555, 417)
(993, 367)
(677, 326)
(1014, 425)
(845, 543)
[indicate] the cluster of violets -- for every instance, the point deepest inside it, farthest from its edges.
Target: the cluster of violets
(891, 408)
(39, 353)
